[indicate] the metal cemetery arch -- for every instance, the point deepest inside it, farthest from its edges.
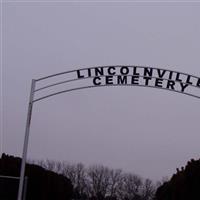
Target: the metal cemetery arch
(105, 76)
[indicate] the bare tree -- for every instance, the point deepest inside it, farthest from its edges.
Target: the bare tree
(99, 180)
(131, 186)
(77, 174)
(148, 190)
(115, 180)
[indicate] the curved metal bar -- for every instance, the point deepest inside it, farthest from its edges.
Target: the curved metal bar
(94, 86)
(58, 83)
(118, 66)
(71, 80)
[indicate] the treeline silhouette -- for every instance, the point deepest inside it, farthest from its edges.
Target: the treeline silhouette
(184, 185)
(61, 180)
(98, 182)
(52, 180)
(42, 184)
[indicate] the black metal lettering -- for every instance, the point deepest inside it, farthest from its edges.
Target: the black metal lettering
(198, 83)
(135, 80)
(161, 73)
(148, 71)
(124, 70)
(89, 72)
(158, 82)
(171, 84)
(79, 74)
(99, 71)
(122, 80)
(135, 71)
(178, 77)
(95, 80)
(183, 86)
(147, 80)
(109, 80)
(170, 74)
(188, 80)
(110, 72)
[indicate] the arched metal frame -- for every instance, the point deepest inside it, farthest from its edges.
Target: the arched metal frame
(34, 91)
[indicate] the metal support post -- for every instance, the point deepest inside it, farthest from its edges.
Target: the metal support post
(25, 187)
(25, 147)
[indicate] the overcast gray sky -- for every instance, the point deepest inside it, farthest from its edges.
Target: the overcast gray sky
(146, 131)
